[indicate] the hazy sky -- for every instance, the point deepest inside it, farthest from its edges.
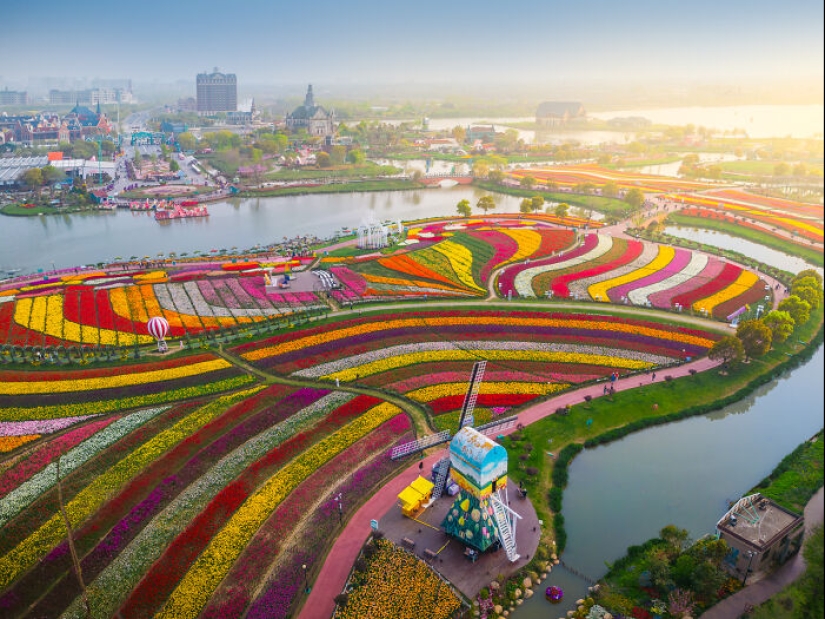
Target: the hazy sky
(426, 41)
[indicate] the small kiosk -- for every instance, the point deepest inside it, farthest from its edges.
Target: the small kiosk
(415, 496)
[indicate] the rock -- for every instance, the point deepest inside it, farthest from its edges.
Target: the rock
(518, 602)
(497, 609)
(527, 583)
(555, 561)
(579, 602)
(494, 585)
(553, 556)
(607, 616)
(528, 594)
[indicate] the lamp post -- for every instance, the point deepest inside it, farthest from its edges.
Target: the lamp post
(306, 579)
(751, 554)
(340, 508)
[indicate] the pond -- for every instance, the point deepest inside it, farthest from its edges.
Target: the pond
(684, 473)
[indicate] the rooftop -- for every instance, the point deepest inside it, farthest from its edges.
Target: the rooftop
(758, 521)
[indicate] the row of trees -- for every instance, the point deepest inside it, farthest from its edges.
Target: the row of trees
(754, 338)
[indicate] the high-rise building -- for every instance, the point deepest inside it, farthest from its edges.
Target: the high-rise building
(217, 92)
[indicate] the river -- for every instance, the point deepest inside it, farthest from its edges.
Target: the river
(683, 473)
(63, 241)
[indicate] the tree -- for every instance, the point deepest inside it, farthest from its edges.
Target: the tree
(496, 175)
(780, 323)
(807, 290)
(459, 134)
(537, 202)
(799, 310)
(186, 141)
(463, 208)
(805, 274)
(33, 179)
(676, 539)
(561, 209)
(728, 350)
(756, 337)
(486, 203)
(527, 182)
(173, 166)
(480, 169)
(526, 206)
(610, 190)
(635, 198)
(323, 160)
(338, 154)
(356, 156)
(781, 169)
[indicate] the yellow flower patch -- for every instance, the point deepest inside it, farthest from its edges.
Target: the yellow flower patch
(10, 443)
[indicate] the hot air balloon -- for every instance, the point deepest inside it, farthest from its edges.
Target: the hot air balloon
(158, 327)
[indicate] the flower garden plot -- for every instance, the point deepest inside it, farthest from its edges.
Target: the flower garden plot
(590, 173)
(107, 483)
(668, 298)
(802, 209)
(621, 253)
(169, 476)
(397, 585)
(360, 466)
(10, 443)
(767, 226)
(93, 406)
(517, 279)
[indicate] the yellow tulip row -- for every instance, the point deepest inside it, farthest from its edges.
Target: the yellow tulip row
(461, 260)
(45, 314)
(196, 587)
(433, 392)
(434, 356)
(663, 258)
(88, 500)
(743, 283)
(466, 321)
(108, 382)
(528, 242)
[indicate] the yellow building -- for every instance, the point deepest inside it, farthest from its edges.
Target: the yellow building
(415, 496)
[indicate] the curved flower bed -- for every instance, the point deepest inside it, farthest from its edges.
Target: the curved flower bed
(623, 252)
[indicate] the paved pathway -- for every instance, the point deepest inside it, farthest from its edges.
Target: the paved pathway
(336, 567)
(761, 590)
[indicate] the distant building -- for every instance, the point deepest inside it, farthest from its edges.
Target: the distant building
(760, 534)
(314, 118)
(217, 92)
(558, 113)
(483, 133)
(189, 104)
(13, 97)
(244, 116)
(89, 96)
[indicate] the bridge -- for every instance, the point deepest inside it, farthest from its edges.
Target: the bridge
(446, 180)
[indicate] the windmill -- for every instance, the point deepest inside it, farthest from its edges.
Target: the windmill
(481, 472)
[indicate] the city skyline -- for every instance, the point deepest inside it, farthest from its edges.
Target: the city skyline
(366, 42)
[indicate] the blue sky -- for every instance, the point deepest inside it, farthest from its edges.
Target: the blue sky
(427, 41)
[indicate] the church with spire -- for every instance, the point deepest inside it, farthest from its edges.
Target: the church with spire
(314, 118)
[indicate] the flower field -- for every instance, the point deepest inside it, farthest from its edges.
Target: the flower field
(96, 309)
(804, 222)
(169, 504)
(397, 585)
(615, 270)
(572, 175)
(529, 354)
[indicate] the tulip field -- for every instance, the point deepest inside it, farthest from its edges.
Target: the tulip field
(195, 490)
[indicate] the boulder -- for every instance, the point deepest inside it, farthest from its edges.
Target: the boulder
(528, 593)
(527, 583)
(497, 609)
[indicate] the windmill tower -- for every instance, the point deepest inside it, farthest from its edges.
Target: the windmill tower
(479, 516)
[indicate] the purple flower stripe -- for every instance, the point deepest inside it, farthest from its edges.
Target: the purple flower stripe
(226, 295)
(508, 276)
(711, 271)
(208, 292)
(350, 279)
(680, 260)
(44, 426)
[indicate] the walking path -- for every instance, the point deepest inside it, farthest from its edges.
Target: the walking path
(336, 566)
(761, 590)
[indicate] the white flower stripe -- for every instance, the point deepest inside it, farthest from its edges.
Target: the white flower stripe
(698, 261)
(26, 493)
(579, 287)
(347, 363)
(523, 282)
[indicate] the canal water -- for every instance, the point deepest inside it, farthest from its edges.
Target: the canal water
(684, 473)
(763, 254)
(63, 241)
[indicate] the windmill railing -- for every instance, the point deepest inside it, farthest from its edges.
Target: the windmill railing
(419, 444)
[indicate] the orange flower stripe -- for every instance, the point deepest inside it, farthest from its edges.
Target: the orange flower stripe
(405, 264)
(395, 281)
(448, 321)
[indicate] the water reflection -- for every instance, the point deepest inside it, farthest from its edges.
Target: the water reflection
(763, 254)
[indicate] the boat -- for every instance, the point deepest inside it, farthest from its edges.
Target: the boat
(180, 211)
(554, 594)
(142, 206)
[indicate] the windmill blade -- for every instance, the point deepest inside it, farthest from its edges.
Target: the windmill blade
(419, 444)
(466, 418)
(498, 425)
